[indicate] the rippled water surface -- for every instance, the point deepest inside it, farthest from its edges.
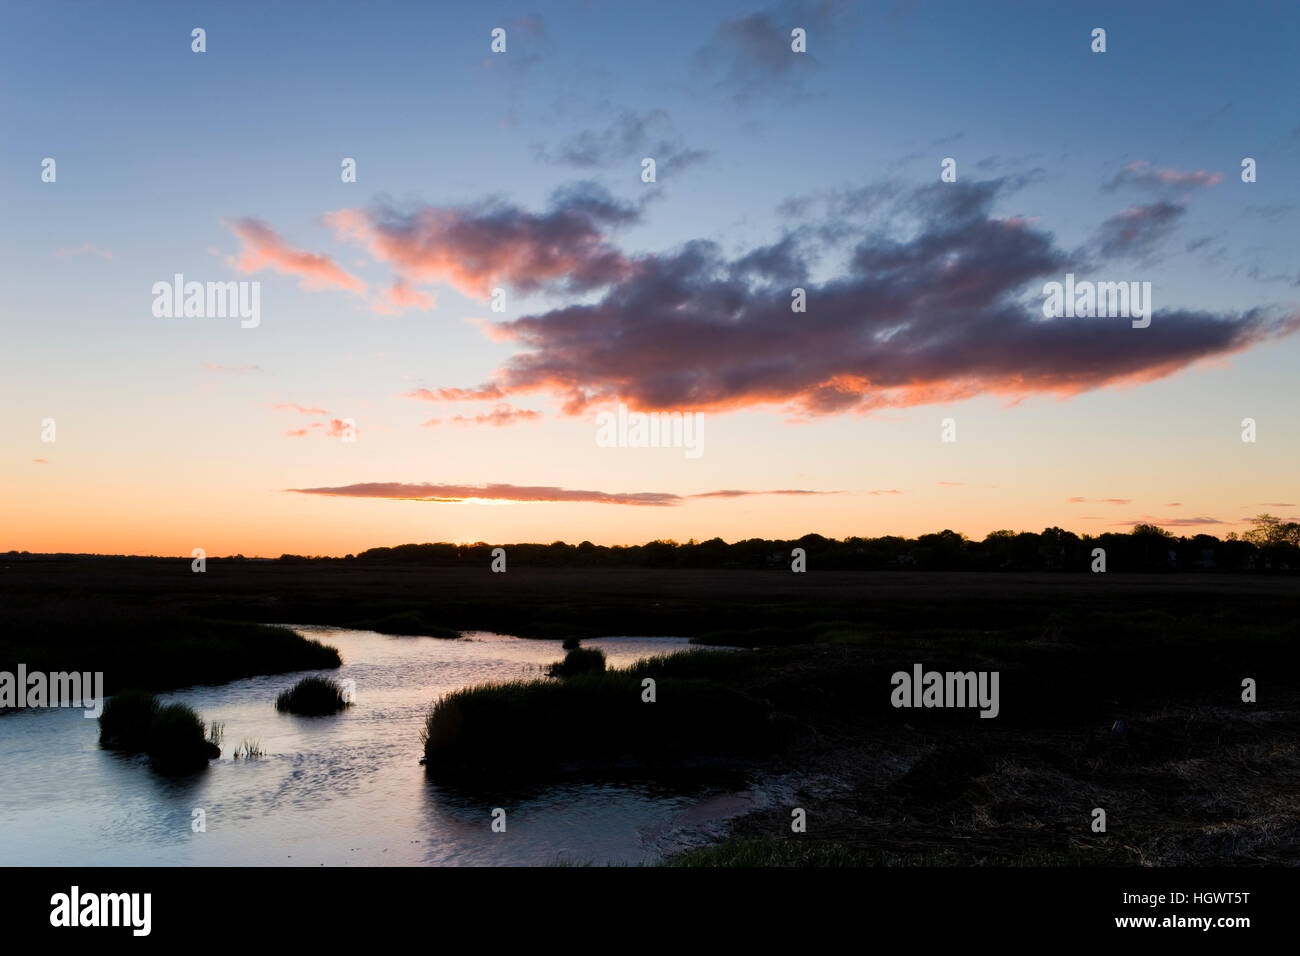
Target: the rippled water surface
(338, 790)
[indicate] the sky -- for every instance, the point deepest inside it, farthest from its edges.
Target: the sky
(435, 342)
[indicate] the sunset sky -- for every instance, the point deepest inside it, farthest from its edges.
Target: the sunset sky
(523, 171)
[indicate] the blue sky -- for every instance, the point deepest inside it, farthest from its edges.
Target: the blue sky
(159, 149)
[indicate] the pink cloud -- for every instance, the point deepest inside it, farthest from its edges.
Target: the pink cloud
(731, 493)
(336, 428)
(472, 247)
(456, 394)
(400, 297)
(502, 414)
(425, 491)
(262, 248)
(1143, 174)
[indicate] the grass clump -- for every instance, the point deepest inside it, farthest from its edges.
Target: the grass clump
(313, 697)
(125, 722)
(249, 749)
(580, 660)
(173, 735)
(177, 740)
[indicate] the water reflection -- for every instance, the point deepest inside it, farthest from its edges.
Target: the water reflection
(346, 789)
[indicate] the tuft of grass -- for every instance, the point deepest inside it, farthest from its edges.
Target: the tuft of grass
(580, 660)
(571, 643)
(312, 697)
(125, 722)
(177, 743)
(216, 732)
(249, 749)
(173, 735)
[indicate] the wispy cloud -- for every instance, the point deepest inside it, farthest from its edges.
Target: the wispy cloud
(731, 493)
(1169, 522)
(499, 416)
(630, 137)
(1145, 176)
(262, 248)
(426, 491)
(401, 296)
(750, 57)
(335, 428)
(455, 394)
(1136, 232)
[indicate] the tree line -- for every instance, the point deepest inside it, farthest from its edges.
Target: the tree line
(1271, 544)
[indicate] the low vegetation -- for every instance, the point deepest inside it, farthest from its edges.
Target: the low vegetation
(595, 722)
(580, 660)
(313, 697)
(249, 749)
(173, 735)
(138, 646)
